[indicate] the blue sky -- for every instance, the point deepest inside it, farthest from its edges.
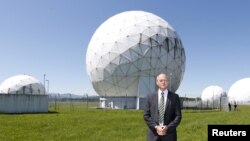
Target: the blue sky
(51, 37)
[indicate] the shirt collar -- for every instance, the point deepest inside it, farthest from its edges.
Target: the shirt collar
(165, 92)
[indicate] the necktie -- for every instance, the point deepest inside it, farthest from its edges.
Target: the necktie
(161, 109)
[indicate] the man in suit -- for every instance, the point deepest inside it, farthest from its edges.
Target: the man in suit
(162, 128)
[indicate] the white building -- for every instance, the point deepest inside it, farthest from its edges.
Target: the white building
(23, 94)
(126, 53)
(239, 92)
(214, 96)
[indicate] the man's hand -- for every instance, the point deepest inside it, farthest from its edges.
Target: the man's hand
(161, 130)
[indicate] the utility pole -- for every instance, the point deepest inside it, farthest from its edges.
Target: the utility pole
(44, 79)
(47, 86)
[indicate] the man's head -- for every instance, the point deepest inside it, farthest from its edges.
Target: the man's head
(162, 81)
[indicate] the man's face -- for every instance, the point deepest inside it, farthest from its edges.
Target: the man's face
(162, 81)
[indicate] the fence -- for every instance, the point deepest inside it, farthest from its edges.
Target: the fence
(198, 104)
(71, 103)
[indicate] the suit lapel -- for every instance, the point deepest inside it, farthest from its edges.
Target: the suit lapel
(156, 106)
(168, 103)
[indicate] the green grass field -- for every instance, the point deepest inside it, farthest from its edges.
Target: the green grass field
(78, 123)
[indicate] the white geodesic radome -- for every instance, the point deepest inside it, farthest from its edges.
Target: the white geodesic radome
(129, 49)
(22, 84)
(212, 93)
(240, 91)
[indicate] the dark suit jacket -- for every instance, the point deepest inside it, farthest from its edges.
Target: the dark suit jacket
(172, 116)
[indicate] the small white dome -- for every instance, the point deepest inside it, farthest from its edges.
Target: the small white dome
(212, 93)
(240, 91)
(22, 84)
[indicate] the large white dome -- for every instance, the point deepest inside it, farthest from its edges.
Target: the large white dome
(129, 49)
(240, 91)
(212, 93)
(22, 84)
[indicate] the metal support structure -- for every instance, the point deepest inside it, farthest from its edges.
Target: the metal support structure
(47, 86)
(170, 82)
(44, 79)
